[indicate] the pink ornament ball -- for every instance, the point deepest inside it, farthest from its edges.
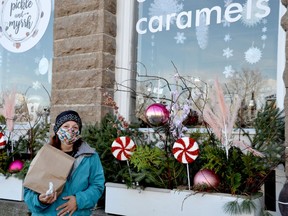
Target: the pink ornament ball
(206, 178)
(157, 114)
(15, 166)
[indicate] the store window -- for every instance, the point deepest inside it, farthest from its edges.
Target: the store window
(26, 51)
(238, 42)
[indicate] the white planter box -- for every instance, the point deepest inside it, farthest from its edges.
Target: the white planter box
(11, 188)
(158, 202)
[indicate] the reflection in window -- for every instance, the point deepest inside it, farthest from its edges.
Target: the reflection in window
(26, 53)
(232, 41)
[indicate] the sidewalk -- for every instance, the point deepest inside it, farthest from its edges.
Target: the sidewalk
(14, 208)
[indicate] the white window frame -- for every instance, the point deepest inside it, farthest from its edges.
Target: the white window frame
(125, 57)
(281, 90)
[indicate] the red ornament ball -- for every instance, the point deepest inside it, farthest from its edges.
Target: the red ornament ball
(206, 178)
(192, 119)
(157, 114)
(15, 166)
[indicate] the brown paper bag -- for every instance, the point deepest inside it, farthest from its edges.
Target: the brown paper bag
(49, 165)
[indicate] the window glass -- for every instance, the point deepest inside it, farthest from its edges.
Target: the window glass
(26, 51)
(234, 41)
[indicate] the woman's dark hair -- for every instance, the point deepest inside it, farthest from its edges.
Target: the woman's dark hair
(55, 142)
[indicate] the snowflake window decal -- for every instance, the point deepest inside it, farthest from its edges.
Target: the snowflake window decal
(180, 38)
(228, 52)
(229, 71)
(253, 20)
(165, 7)
(227, 38)
(253, 55)
(227, 2)
(202, 32)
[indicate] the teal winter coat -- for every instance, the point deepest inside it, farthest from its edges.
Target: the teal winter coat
(86, 182)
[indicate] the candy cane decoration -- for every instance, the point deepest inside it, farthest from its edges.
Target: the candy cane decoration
(186, 150)
(2, 140)
(122, 148)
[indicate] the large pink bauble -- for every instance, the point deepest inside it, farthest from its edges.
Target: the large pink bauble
(16, 166)
(157, 114)
(206, 178)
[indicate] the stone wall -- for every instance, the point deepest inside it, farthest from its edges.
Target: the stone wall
(84, 47)
(284, 24)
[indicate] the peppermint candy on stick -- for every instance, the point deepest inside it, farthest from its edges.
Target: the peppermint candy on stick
(2, 141)
(186, 150)
(123, 147)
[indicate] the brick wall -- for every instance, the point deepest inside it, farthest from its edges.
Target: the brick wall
(84, 47)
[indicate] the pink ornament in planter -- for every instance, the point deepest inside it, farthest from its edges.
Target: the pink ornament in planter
(157, 114)
(15, 166)
(206, 178)
(2, 140)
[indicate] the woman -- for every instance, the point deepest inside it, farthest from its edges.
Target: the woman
(84, 185)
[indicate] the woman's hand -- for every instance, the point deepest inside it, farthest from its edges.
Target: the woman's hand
(47, 199)
(69, 207)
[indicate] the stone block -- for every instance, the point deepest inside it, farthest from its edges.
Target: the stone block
(13, 208)
(99, 21)
(87, 96)
(69, 7)
(285, 2)
(83, 79)
(86, 61)
(84, 44)
(90, 114)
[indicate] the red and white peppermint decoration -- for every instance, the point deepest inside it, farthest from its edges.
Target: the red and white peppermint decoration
(185, 150)
(2, 140)
(123, 147)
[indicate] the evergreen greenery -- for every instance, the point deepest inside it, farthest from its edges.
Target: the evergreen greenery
(155, 169)
(25, 148)
(243, 172)
(153, 164)
(150, 165)
(100, 136)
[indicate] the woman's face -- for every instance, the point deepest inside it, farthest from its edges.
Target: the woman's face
(70, 126)
(69, 133)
